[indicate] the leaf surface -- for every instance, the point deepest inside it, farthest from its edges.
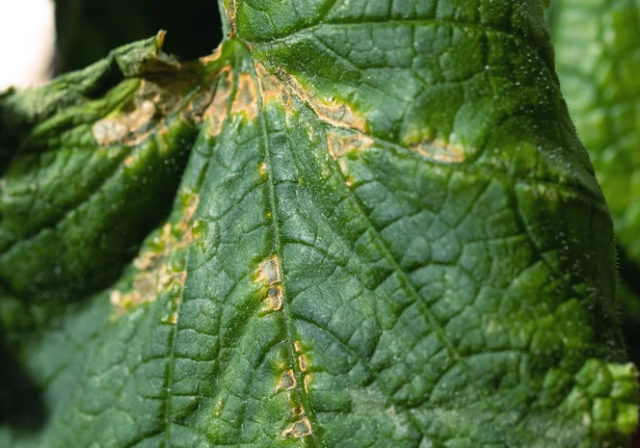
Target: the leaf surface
(368, 224)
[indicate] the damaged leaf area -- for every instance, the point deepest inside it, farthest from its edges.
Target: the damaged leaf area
(365, 224)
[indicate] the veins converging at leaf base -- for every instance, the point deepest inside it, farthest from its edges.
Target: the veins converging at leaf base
(385, 233)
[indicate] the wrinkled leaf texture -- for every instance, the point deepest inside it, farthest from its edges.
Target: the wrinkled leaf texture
(356, 224)
(598, 53)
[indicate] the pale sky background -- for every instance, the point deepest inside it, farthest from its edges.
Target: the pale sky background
(27, 42)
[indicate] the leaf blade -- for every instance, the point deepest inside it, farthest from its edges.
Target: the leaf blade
(337, 271)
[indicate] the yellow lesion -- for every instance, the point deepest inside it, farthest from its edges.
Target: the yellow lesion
(287, 381)
(269, 270)
(216, 113)
(272, 89)
(299, 429)
(189, 208)
(218, 408)
(439, 151)
(279, 87)
(302, 362)
(213, 57)
(127, 128)
(307, 382)
(160, 267)
(330, 110)
(246, 98)
(231, 6)
(349, 131)
(274, 298)
(339, 144)
(428, 144)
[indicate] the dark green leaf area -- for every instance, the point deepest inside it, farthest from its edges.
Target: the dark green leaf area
(340, 269)
(86, 185)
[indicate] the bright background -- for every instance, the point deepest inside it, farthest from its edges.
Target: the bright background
(27, 42)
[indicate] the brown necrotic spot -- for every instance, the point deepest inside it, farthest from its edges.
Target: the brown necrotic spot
(213, 57)
(156, 273)
(299, 429)
(216, 113)
(274, 297)
(246, 99)
(439, 151)
(271, 88)
(302, 362)
(340, 143)
(269, 270)
(145, 114)
(287, 380)
(127, 129)
(196, 107)
(330, 110)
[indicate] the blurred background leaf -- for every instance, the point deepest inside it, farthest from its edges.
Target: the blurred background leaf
(597, 46)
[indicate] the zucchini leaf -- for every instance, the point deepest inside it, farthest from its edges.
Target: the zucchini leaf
(356, 224)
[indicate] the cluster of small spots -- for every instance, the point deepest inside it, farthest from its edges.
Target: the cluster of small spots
(302, 426)
(145, 114)
(161, 266)
(269, 272)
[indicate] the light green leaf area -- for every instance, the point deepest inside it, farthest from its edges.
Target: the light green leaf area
(598, 56)
(365, 224)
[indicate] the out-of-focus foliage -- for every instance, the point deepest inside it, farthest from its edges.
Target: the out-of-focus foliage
(597, 46)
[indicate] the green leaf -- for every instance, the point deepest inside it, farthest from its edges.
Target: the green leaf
(597, 45)
(367, 224)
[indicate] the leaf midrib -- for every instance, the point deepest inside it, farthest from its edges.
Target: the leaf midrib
(277, 250)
